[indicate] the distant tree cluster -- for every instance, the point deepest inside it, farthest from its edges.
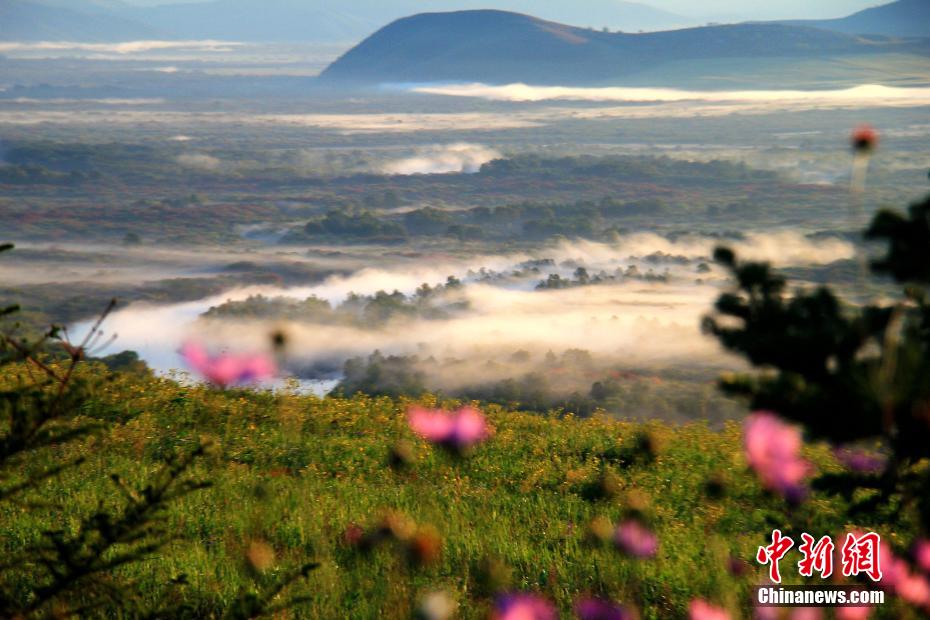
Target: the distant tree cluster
(363, 311)
(541, 383)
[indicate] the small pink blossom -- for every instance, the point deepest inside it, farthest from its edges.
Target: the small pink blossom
(636, 539)
(457, 430)
(807, 613)
(702, 610)
(522, 606)
(227, 369)
(773, 449)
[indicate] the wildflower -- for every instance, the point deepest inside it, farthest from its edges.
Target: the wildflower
(228, 369)
(898, 578)
(401, 455)
(425, 547)
(802, 613)
(599, 609)
(860, 461)
(738, 567)
(773, 449)
(607, 486)
(260, 556)
(852, 613)
(702, 610)
(397, 526)
(522, 606)
(636, 539)
(436, 606)
(492, 575)
(353, 535)
(599, 531)
(458, 430)
(864, 139)
(922, 554)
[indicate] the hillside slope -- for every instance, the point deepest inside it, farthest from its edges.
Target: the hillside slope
(22, 20)
(904, 18)
(498, 46)
(315, 21)
(307, 477)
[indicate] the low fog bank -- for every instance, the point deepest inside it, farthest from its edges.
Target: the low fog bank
(459, 157)
(865, 94)
(632, 304)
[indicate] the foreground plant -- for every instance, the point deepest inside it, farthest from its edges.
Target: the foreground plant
(850, 375)
(71, 569)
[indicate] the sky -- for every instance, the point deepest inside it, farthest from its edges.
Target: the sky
(704, 10)
(753, 9)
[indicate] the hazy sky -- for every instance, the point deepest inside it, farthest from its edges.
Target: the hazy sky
(705, 9)
(764, 10)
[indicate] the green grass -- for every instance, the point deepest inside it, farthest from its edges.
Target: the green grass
(294, 471)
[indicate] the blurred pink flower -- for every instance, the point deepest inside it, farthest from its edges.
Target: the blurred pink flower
(915, 590)
(227, 369)
(599, 609)
(898, 578)
(524, 607)
(860, 461)
(702, 610)
(773, 449)
(636, 539)
(852, 613)
(922, 554)
(459, 430)
(767, 613)
(807, 613)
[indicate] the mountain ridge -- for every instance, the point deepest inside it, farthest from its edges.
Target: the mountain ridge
(25, 20)
(302, 20)
(904, 18)
(499, 47)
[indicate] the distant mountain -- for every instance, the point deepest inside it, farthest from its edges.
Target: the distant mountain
(319, 21)
(499, 47)
(611, 14)
(904, 18)
(26, 20)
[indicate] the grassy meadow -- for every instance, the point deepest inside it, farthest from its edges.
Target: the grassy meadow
(296, 479)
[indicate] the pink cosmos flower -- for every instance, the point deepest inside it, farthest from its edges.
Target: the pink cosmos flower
(524, 607)
(457, 430)
(922, 554)
(227, 369)
(702, 610)
(636, 539)
(599, 609)
(773, 449)
(807, 613)
(898, 578)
